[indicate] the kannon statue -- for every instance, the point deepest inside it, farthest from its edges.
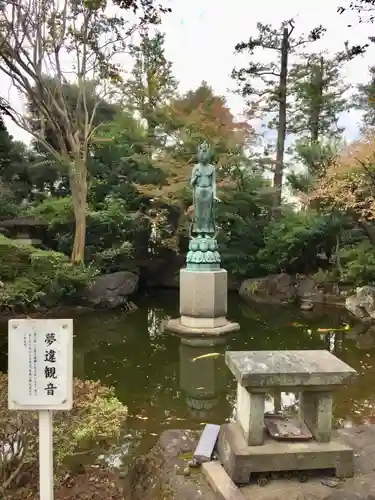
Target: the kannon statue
(203, 252)
(203, 182)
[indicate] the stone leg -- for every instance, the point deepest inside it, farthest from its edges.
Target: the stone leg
(241, 476)
(345, 465)
(316, 409)
(250, 415)
(237, 469)
(277, 406)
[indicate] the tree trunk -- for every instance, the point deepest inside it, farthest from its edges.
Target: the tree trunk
(151, 128)
(281, 130)
(78, 185)
(317, 78)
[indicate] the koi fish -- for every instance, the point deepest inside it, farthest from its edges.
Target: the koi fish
(205, 356)
(326, 330)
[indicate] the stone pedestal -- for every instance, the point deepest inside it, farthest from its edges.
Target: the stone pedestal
(241, 460)
(203, 305)
(245, 447)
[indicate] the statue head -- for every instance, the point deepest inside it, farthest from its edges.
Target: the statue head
(204, 153)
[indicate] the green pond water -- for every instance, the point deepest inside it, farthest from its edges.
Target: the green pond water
(165, 386)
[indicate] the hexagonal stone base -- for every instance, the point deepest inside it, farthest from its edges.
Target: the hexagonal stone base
(175, 326)
(203, 295)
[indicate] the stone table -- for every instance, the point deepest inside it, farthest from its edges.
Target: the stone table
(312, 374)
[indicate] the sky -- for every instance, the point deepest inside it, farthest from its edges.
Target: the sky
(200, 36)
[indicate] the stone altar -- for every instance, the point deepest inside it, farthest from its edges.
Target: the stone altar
(245, 448)
(203, 284)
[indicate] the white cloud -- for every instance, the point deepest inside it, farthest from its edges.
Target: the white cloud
(201, 35)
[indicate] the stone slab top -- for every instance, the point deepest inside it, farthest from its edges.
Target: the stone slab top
(262, 369)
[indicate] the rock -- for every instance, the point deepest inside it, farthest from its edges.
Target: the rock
(362, 304)
(307, 306)
(352, 305)
(112, 290)
(273, 289)
(331, 482)
(307, 289)
(284, 289)
(165, 273)
(193, 463)
(50, 300)
(366, 298)
(161, 474)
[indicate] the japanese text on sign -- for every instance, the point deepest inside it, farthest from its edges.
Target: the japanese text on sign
(50, 360)
(40, 364)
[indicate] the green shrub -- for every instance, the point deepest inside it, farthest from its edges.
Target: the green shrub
(299, 242)
(46, 263)
(14, 258)
(326, 275)
(114, 259)
(242, 218)
(8, 205)
(110, 231)
(358, 263)
(22, 292)
(59, 214)
(96, 419)
(31, 276)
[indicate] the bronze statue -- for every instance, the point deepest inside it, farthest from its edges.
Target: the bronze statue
(203, 252)
(203, 182)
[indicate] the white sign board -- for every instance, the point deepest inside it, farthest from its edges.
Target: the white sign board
(40, 364)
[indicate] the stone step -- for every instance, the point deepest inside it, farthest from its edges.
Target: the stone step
(222, 485)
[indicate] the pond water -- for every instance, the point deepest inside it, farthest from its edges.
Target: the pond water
(165, 386)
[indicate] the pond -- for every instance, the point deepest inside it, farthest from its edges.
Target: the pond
(168, 384)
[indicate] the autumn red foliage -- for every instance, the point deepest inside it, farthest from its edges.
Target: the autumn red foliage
(348, 184)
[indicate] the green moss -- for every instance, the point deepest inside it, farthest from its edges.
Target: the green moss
(186, 455)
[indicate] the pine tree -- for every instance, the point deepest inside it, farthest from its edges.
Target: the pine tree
(5, 146)
(273, 78)
(365, 99)
(151, 84)
(318, 97)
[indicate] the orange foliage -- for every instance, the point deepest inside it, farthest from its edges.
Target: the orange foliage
(177, 180)
(205, 116)
(198, 116)
(348, 185)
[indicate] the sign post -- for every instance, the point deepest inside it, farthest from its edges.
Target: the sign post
(40, 378)
(45, 455)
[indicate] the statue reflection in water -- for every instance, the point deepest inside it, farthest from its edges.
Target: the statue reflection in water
(203, 381)
(208, 389)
